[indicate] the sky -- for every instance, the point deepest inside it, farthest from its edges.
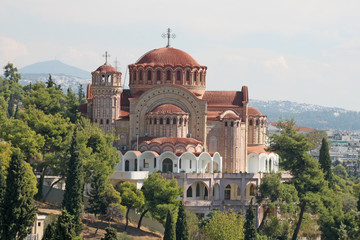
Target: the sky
(307, 51)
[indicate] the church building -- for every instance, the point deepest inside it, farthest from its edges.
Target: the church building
(212, 142)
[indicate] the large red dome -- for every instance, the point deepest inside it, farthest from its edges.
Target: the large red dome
(167, 57)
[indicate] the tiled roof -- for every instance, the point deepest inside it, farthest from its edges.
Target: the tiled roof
(256, 149)
(167, 57)
(167, 108)
(171, 140)
(231, 115)
(88, 91)
(254, 112)
(106, 69)
(223, 98)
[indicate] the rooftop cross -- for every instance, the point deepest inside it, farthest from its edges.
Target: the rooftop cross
(106, 55)
(168, 35)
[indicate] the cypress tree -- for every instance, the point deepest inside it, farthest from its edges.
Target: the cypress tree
(97, 201)
(169, 228)
(249, 225)
(325, 161)
(110, 234)
(50, 83)
(18, 211)
(73, 195)
(65, 229)
(49, 232)
(358, 203)
(182, 232)
(2, 193)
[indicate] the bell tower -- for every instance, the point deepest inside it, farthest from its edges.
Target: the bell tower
(106, 90)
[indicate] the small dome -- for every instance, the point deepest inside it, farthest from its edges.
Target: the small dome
(106, 69)
(231, 115)
(167, 57)
(167, 109)
(254, 112)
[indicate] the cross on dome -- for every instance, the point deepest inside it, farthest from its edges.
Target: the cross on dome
(168, 35)
(106, 55)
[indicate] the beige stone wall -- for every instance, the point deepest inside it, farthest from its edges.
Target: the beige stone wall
(257, 130)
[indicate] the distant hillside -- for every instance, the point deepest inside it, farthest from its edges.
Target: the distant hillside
(65, 75)
(54, 67)
(313, 116)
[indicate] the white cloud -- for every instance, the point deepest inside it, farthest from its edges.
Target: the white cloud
(10, 49)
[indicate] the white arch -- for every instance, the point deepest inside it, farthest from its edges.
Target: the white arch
(203, 160)
(218, 159)
(132, 156)
(253, 163)
(171, 156)
(189, 162)
(149, 158)
(263, 162)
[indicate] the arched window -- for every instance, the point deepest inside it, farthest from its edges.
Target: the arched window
(180, 162)
(195, 75)
(178, 76)
(134, 76)
(168, 75)
(184, 122)
(189, 192)
(257, 122)
(141, 75)
(190, 163)
(250, 122)
(107, 121)
(226, 124)
(167, 165)
(198, 190)
(161, 121)
(103, 79)
(144, 163)
(149, 75)
(168, 121)
(180, 121)
(205, 193)
(227, 192)
(155, 121)
(101, 121)
(158, 75)
(135, 165)
(127, 166)
(150, 121)
(188, 76)
(174, 121)
(232, 124)
(270, 165)
(154, 162)
(252, 190)
(266, 165)
(200, 76)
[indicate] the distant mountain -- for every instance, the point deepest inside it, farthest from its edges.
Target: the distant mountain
(54, 67)
(65, 75)
(313, 116)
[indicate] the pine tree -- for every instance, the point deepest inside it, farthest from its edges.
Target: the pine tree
(49, 232)
(325, 161)
(182, 232)
(73, 195)
(249, 226)
(50, 83)
(110, 234)
(18, 208)
(169, 228)
(97, 201)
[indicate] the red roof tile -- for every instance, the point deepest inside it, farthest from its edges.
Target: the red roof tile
(167, 57)
(106, 69)
(223, 98)
(231, 116)
(254, 112)
(167, 108)
(258, 149)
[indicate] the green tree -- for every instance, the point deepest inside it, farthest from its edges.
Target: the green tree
(161, 195)
(358, 202)
(49, 233)
(131, 198)
(169, 233)
(273, 193)
(72, 105)
(182, 232)
(192, 225)
(97, 200)
(50, 83)
(2, 193)
(249, 225)
(325, 161)
(81, 95)
(73, 195)
(65, 228)
(275, 228)
(5, 155)
(18, 212)
(11, 73)
(308, 179)
(224, 225)
(110, 234)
